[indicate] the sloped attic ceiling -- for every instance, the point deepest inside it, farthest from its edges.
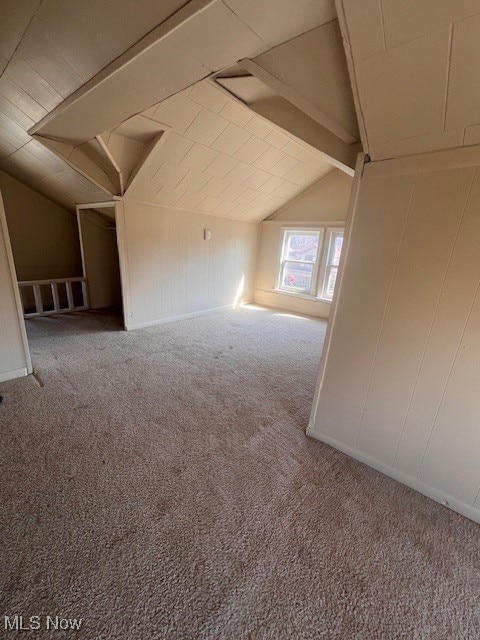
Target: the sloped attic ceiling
(216, 156)
(415, 71)
(57, 47)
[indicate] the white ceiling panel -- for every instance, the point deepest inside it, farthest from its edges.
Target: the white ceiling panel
(178, 111)
(415, 67)
(269, 159)
(463, 104)
(198, 157)
(16, 16)
(406, 21)
(218, 37)
(279, 20)
(231, 139)
(391, 112)
(206, 127)
(252, 149)
(206, 95)
(366, 34)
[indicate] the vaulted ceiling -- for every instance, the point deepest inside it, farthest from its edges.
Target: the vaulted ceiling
(77, 72)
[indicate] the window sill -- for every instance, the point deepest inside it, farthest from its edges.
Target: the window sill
(303, 296)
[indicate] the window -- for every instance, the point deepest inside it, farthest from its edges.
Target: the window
(309, 261)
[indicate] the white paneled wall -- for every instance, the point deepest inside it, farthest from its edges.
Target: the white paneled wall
(169, 270)
(14, 353)
(399, 385)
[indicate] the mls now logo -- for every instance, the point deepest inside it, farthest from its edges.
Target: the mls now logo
(34, 623)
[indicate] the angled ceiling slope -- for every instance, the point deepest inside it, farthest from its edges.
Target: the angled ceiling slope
(48, 50)
(208, 152)
(414, 67)
(79, 152)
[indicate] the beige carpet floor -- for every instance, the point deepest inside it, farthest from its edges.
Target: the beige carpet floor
(158, 484)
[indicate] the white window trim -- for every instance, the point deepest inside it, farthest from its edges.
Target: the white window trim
(319, 266)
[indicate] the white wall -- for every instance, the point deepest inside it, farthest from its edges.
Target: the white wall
(44, 236)
(325, 202)
(101, 260)
(168, 270)
(400, 377)
(14, 354)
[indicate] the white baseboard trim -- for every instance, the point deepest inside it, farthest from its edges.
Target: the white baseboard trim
(184, 316)
(414, 483)
(15, 373)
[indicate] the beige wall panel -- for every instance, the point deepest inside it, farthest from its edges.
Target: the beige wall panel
(391, 112)
(463, 104)
(452, 458)
(418, 340)
(446, 334)
(409, 20)
(326, 200)
(365, 27)
(44, 236)
(173, 271)
(14, 357)
(435, 214)
(377, 230)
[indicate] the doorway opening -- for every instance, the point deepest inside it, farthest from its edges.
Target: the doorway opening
(100, 260)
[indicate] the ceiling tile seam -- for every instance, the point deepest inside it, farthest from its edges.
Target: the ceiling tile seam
(268, 44)
(447, 79)
(38, 73)
(59, 54)
(12, 135)
(22, 35)
(27, 94)
(10, 79)
(76, 71)
(195, 118)
(18, 109)
(382, 22)
(402, 44)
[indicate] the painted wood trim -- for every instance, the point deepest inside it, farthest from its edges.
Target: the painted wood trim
(352, 207)
(15, 373)
(15, 289)
(423, 163)
(303, 223)
(444, 499)
(352, 73)
(123, 262)
(184, 316)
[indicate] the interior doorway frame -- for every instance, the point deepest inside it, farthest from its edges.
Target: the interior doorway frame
(108, 204)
